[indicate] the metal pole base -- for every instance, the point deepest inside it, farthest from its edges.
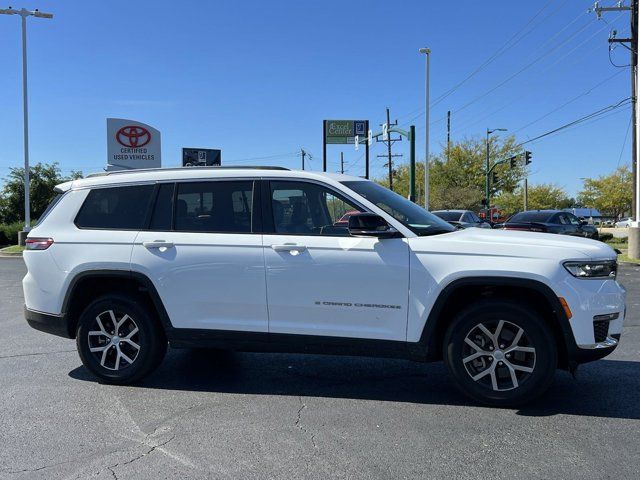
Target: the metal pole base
(22, 237)
(634, 242)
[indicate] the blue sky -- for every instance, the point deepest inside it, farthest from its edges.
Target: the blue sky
(257, 78)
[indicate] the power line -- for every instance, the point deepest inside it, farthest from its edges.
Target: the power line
(477, 119)
(521, 70)
(583, 94)
(582, 119)
(624, 143)
(508, 45)
(505, 47)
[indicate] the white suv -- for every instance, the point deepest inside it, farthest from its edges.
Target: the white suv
(267, 259)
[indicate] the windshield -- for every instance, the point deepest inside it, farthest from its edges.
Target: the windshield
(416, 218)
(448, 216)
(531, 217)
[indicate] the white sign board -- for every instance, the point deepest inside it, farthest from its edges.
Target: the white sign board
(132, 145)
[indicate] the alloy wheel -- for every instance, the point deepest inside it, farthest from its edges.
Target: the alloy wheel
(498, 355)
(114, 341)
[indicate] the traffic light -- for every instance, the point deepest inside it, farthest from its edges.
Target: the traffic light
(494, 177)
(527, 157)
(513, 162)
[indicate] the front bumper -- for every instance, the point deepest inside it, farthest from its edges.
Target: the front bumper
(48, 323)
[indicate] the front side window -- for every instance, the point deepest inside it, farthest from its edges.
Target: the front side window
(221, 206)
(573, 219)
(412, 216)
(123, 208)
(301, 208)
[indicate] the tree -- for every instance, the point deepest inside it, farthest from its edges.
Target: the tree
(611, 194)
(43, 178)
(460, 181)
(541, 196)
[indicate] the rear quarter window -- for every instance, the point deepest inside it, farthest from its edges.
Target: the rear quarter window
(50, 207)
(123, 208)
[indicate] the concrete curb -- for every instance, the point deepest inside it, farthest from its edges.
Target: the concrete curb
(10, 255)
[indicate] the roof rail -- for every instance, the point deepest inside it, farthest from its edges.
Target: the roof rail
(226, 167)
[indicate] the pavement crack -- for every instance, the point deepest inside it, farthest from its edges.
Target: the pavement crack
(112, 468)
(115, 476)
(298, 423)
(36, 354)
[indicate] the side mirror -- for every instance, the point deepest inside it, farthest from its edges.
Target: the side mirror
(583, 222)
(370, 225)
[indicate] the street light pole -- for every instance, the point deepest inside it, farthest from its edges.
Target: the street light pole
(427, 53)
(488, 169)
(24, 14)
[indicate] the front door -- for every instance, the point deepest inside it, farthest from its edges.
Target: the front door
(203, 256)
(320, 280)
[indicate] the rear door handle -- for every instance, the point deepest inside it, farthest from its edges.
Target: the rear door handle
(157, 244)
(289, 247)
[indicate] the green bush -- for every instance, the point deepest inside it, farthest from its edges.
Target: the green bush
(606, 237)
(9, 233)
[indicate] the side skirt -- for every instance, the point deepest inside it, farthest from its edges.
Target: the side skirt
(290, 343)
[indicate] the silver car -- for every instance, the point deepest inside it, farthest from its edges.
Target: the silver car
(462, 218)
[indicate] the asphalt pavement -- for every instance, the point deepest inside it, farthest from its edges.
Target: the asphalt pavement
(210, 415)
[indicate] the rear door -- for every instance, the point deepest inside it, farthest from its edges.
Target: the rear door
(320, 280)
(203, 252)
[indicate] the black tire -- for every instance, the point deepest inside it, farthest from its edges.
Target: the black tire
(149, 337)
(542, 361)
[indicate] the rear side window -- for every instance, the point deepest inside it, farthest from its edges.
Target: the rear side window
(122, 208)
(222, 206)
(531, 217)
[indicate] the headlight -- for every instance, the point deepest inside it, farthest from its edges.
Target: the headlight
(601, 269)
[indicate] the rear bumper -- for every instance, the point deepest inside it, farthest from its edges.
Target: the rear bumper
(48, 323)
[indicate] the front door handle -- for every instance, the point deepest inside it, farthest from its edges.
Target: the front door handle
(289, 247)
(157, 244)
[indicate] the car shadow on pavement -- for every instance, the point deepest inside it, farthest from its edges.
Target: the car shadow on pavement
(606, 388)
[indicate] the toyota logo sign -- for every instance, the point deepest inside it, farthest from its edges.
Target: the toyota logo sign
(133, 136)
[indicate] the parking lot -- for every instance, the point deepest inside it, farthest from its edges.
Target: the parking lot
(212, 415)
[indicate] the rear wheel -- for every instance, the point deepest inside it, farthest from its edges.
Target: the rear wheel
(118, 341)
(500, 353)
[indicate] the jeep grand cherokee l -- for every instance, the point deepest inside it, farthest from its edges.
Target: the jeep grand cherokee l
(257, 259)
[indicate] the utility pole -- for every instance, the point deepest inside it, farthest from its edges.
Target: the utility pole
(526, 193)
(302, 154)
(24, 13)
(342, 162)
(634, 232)
(448, 132)
(389, 142)
(427, 53)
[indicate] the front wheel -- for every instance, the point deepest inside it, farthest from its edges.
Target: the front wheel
(118, 341)
(500, 353)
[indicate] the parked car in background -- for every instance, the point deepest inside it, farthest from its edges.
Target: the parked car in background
(550, 221)
(623, 223)
(462, 218)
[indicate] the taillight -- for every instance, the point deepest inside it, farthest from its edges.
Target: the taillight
(38, 243)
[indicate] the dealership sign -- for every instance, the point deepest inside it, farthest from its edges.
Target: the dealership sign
(201, 157)
(344, 131)
(131, 145)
